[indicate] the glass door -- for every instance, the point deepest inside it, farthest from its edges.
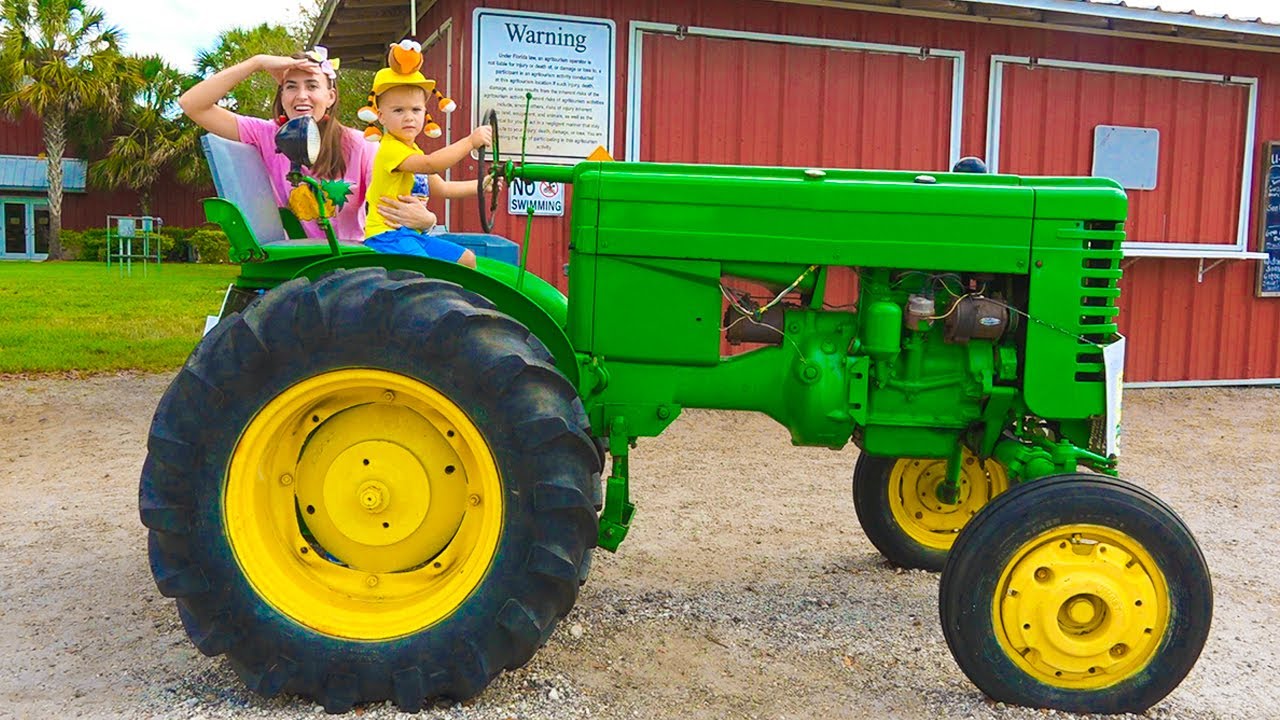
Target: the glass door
(15, 229)
(41, 215)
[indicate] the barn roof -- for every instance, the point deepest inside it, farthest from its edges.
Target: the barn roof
(358, 31)
(25, 172)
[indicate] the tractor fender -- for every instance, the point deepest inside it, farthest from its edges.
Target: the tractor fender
(538, 306)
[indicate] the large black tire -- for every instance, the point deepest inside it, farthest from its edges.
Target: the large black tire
(922, 541)
(431, 332)
(1039, 553)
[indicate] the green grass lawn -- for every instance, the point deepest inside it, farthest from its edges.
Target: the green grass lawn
(81, 316)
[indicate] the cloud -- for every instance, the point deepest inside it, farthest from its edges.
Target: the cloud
(179, 29)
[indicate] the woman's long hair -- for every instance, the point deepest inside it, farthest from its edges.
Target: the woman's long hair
(330, 164)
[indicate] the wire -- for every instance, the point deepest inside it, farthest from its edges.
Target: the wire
(750, 315)
(954, 305)
(788, 289)
(1051, 326)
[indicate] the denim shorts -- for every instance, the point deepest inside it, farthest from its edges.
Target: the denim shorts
(403, 241)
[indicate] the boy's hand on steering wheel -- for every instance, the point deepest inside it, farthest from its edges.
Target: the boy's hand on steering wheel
(481, 137)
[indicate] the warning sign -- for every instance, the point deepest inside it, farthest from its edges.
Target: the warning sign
(546, 198)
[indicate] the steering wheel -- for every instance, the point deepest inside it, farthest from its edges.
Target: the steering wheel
(489, 167)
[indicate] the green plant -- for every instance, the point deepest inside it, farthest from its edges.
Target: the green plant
(153, 135)
(90, 244)
(210, 246)
(58, 59)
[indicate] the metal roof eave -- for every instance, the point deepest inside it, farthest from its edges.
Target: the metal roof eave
(1145, 15)
(354, 40)
(326, 14)
(358, 31)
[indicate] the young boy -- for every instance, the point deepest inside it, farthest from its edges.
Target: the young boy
(402, 108)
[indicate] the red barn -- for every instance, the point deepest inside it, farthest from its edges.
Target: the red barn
(1179, 107)
(24, 184)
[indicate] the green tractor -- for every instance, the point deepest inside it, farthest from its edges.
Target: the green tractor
(379, 477)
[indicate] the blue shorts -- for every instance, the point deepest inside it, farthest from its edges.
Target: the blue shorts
(404, 241)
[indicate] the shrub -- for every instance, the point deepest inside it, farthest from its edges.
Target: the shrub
(176, 244)
(210, 246)
(88, 244)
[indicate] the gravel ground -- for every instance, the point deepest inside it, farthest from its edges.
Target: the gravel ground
(745, 590)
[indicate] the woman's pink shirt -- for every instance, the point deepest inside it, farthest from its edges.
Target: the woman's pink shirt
(349, 222)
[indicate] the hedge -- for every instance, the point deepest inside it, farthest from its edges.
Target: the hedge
(203, 244)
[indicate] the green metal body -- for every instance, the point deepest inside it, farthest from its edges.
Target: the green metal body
(651, 247)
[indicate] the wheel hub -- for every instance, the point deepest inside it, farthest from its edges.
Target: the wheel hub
(1082, 607)
(380, 505)
(914, 499)
(384, 507)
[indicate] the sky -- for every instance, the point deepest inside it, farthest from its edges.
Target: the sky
(178, 29)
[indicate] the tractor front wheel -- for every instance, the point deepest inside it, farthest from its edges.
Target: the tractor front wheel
(1076, 592)
(370, 487)
(898, 507)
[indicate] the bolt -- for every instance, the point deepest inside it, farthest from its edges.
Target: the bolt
(286, 479)
(828, 347)
(371, 581)
(1042, 574)
(810, 372)
(388, 396)
(664, 412)
(474, 499)
(1119, 650)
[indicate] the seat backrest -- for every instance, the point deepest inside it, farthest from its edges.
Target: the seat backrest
(240, 177)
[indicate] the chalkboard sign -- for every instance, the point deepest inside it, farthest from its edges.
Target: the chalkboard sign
(1269, 269)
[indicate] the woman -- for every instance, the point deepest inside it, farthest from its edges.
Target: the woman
(308, 86)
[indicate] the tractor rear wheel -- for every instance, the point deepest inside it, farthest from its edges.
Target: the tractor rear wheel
(899, 510)
(370, 487)
(1076, 592)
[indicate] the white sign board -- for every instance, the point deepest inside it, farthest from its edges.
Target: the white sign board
(546, 198)
(1113, 364)
(567, 62)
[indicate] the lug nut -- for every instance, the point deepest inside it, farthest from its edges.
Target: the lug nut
(286, 479)
(388, 396)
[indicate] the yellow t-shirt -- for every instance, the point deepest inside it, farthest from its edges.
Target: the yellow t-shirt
(386, 180)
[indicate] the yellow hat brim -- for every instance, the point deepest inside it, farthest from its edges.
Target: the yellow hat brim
(388, 78)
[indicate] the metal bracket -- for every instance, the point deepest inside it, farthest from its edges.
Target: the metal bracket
(1202, 271)
(615, 520)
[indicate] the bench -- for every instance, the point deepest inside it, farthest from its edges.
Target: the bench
(258, 229)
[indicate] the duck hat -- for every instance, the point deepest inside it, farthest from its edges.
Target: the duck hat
(387, 78)
(404, 67)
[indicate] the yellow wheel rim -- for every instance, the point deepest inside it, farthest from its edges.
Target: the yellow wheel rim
(913, 497)
(363, 504)
(1081, 607)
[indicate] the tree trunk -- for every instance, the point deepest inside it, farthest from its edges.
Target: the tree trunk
(144, 199)
(55, 143)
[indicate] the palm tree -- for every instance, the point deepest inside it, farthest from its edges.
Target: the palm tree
(152, 136)
(58, 58)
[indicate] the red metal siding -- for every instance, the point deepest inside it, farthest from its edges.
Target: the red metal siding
(177, 204)
(741, 102)
(1179, 329)
(1047, 127)
(21, 136)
